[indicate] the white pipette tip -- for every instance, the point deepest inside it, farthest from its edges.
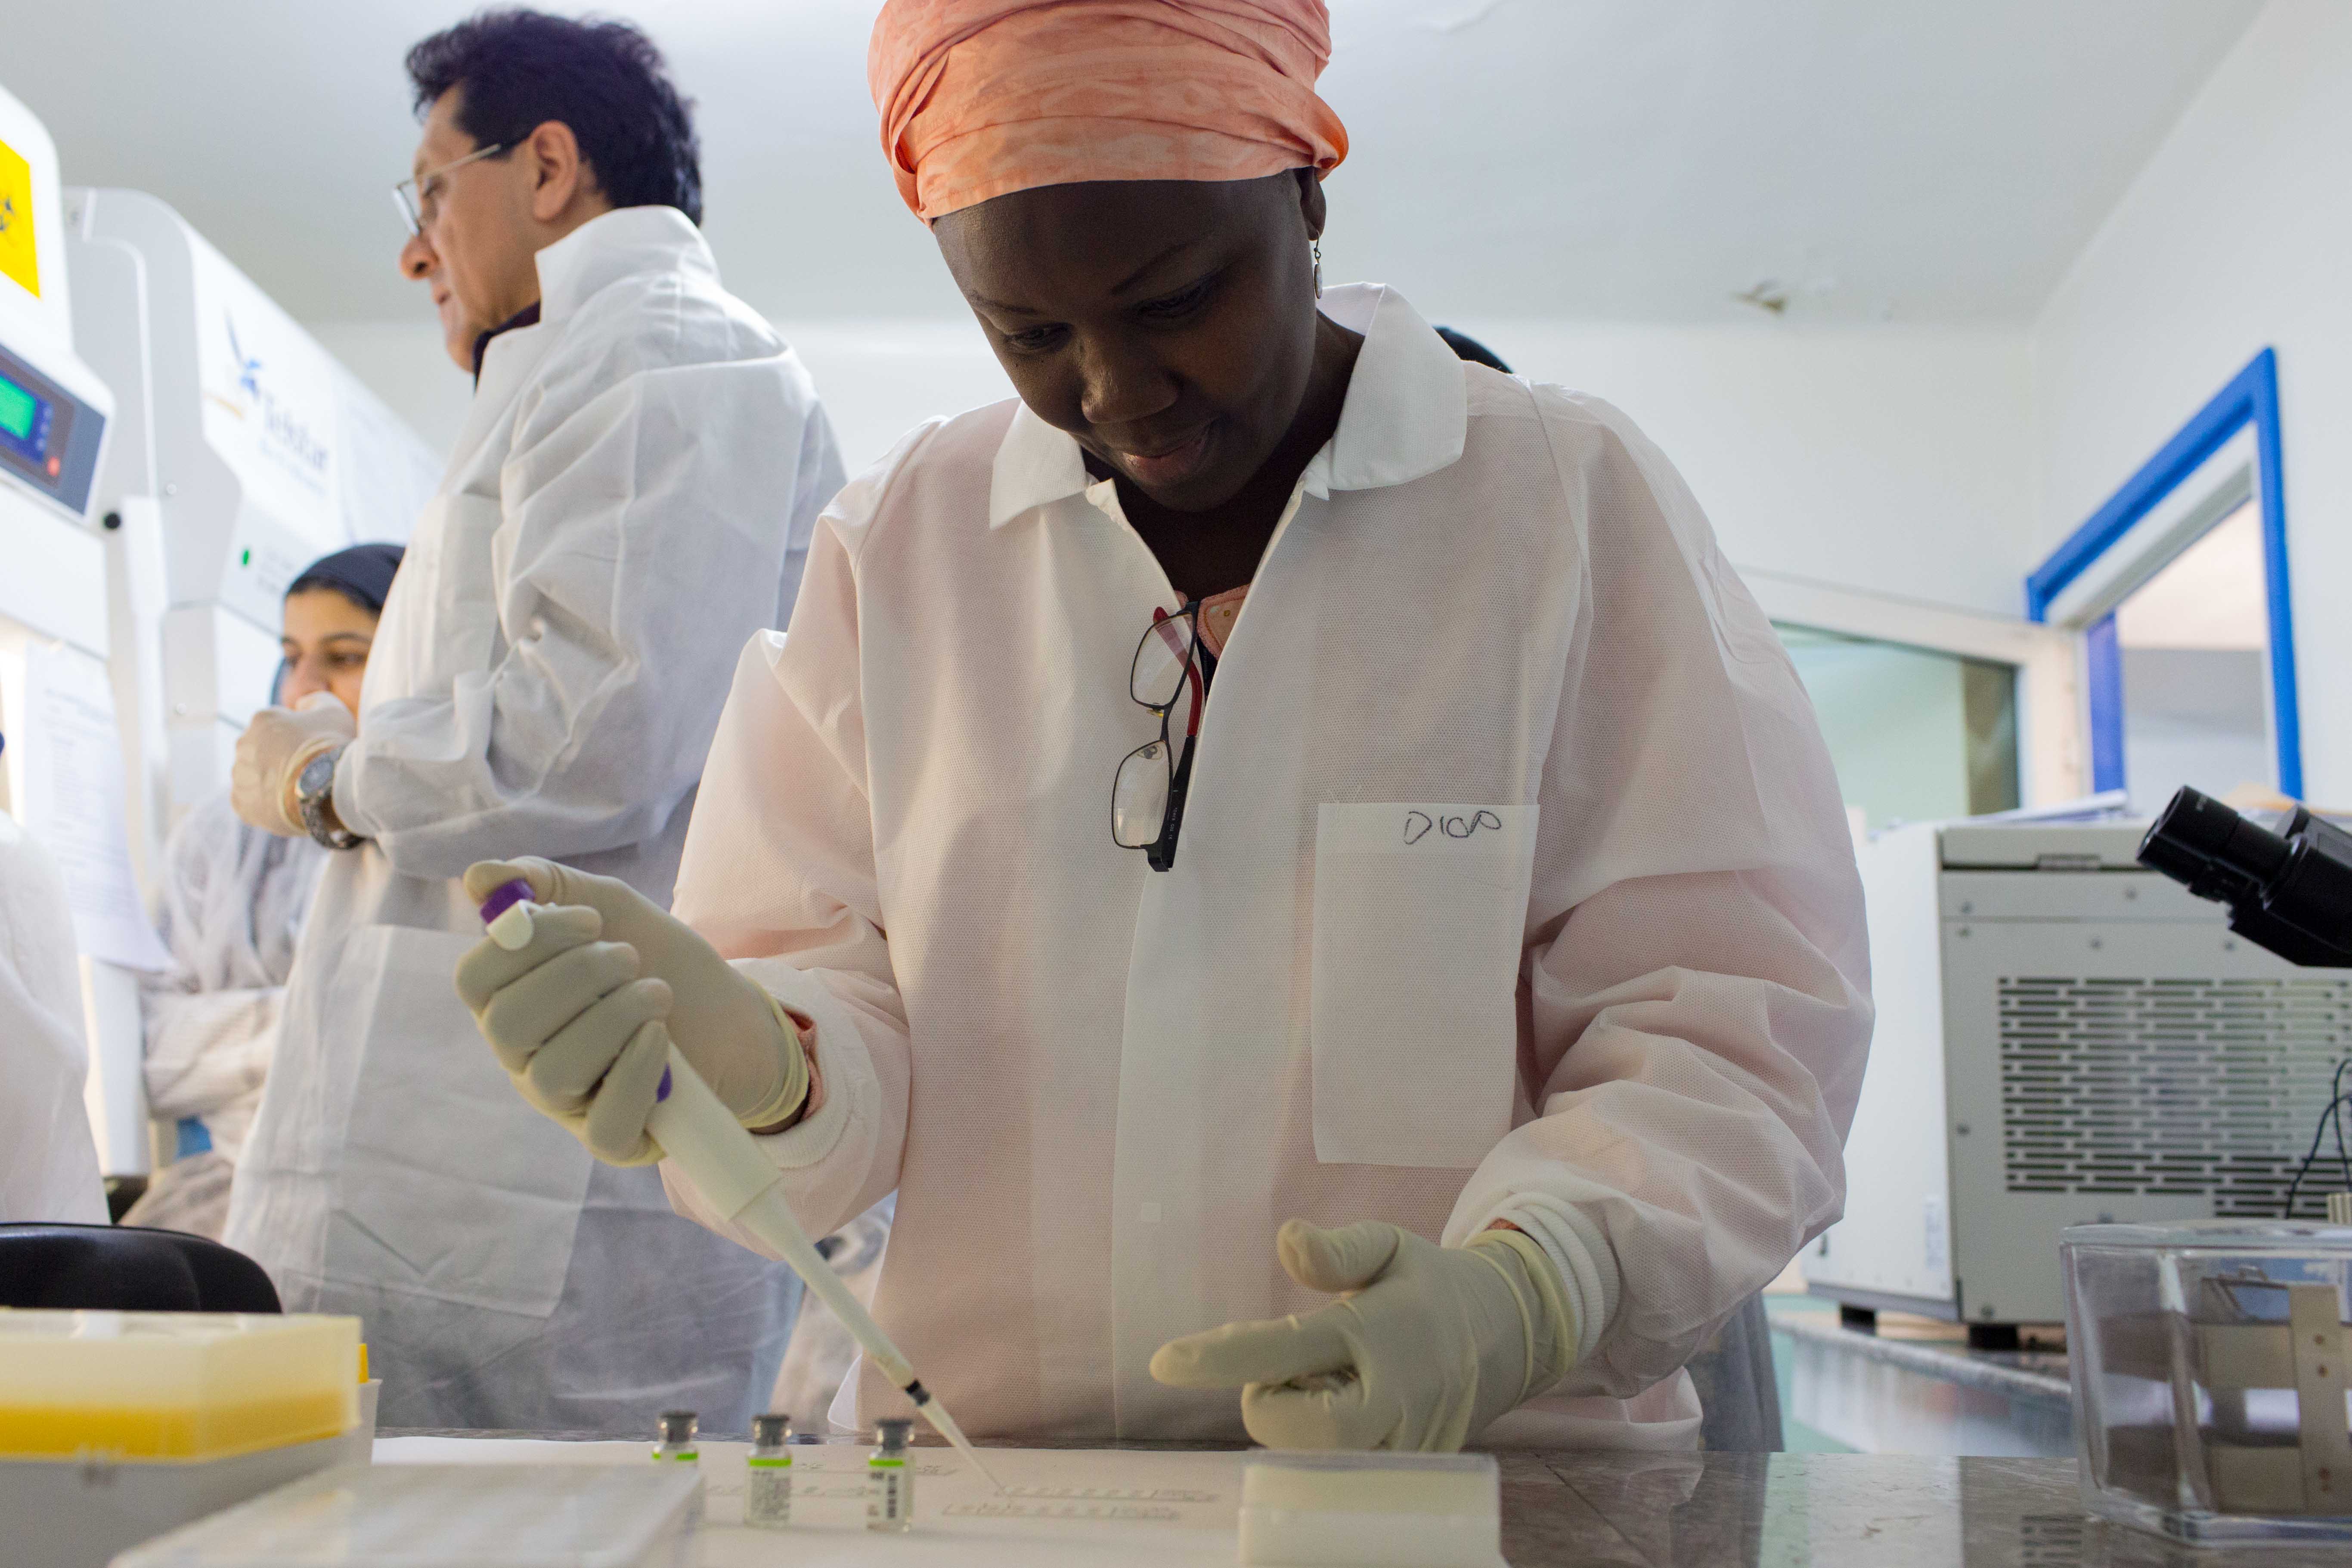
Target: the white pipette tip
(703, 1139)
(937, 1415)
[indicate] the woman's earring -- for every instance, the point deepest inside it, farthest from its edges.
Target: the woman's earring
(1316, 246)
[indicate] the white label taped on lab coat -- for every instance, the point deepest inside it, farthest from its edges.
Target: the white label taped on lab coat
(1419, 912)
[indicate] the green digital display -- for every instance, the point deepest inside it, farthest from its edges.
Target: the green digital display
(18, 410)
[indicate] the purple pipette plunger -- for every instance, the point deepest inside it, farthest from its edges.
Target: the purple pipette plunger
(504, 897)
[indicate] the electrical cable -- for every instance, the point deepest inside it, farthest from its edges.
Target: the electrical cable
(2333, 1114)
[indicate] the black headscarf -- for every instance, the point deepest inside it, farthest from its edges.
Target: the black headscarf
(1465, 346)
(361, 574)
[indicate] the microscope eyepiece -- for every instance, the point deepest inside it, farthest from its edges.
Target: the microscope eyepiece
(2290, 893)
(2195, 824)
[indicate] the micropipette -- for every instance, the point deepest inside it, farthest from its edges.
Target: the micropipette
(701, 1135)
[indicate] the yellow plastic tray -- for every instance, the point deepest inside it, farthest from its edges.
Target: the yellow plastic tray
(172, 1385)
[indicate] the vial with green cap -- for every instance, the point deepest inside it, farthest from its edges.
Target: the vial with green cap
(768, 1489)
(889, 1479)
(677, 1446)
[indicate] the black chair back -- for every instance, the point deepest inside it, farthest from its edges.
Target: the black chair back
(128, 1268)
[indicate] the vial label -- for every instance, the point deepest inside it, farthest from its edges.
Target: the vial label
(889, 1495)
(768, 1494)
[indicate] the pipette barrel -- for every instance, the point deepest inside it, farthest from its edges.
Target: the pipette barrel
(702, 1137)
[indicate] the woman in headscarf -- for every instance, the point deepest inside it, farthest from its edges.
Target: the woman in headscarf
(233, 898)
(1472, 932)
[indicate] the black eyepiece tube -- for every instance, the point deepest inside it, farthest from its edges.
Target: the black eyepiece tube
(2292, 895)
(2211, 849)
(2195, 821)
(2199, 823)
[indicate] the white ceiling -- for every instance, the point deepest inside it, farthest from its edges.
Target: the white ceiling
(1636, 159)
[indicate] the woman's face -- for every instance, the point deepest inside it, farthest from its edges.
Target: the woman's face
(1169, 325)
(325, 643)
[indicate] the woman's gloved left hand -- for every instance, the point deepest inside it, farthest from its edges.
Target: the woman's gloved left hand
(1424, 1347)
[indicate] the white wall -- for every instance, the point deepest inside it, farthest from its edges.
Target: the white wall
(2235, 237)
(401, 362)
(1889, 458)
(878, 379)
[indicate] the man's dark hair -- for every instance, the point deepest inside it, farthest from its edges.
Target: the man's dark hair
(604, 80)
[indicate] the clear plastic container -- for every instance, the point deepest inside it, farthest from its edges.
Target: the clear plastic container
(1371, 1511)
(172, 1385)
(2209, 1364)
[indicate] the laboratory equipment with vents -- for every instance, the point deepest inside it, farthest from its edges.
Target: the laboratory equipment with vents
(2065, 1037)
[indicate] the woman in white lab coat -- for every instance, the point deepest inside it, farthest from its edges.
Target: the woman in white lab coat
(234, 900)
(1485, 949)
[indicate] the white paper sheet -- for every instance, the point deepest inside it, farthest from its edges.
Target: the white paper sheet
(74, 802)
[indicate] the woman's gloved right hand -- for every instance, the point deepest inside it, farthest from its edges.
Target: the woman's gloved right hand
(581, 1016)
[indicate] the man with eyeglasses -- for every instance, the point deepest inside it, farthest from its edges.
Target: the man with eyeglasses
(632, 498)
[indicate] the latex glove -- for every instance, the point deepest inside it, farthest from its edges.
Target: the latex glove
(272, 753)
(1424, 1347)
(581, 1016)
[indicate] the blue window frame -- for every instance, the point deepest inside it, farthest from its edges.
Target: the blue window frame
(2251, 398)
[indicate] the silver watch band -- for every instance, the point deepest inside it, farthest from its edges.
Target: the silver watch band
(313, 789)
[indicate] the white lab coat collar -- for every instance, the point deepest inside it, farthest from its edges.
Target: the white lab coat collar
(624, 243)
(617, 245)
(1407, 413)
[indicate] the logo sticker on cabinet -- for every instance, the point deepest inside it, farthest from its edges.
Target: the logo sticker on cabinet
(19, 261)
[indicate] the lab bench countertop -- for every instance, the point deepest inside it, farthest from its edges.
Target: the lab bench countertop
(1934, 1350)
(1609, 1510)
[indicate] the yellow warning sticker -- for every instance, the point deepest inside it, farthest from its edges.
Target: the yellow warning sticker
(19, 257)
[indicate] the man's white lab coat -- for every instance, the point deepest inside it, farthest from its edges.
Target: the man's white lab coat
(1513, 883)
(630, 497)
(233, 902)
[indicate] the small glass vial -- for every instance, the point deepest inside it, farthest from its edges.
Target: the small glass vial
(768, 1488)
(890, 1479)
(677, 1446)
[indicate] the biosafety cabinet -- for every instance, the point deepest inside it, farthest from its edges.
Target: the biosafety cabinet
(245, 451)
(174, 448)
(60, 761)
(2063, 1037)
(55, 416)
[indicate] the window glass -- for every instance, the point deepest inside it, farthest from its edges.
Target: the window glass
(1916, 735)
(2195, 641)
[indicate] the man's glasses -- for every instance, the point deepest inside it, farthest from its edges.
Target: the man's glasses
(419, 199)
(1146, 795)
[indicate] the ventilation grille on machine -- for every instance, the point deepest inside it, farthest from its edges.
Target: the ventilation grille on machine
(2171, 1087)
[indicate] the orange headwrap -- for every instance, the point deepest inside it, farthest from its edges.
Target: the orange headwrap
(980, 98)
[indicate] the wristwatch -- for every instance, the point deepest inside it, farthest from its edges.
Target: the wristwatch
(314, 796)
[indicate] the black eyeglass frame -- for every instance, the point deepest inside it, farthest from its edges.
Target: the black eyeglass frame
(1160, 853)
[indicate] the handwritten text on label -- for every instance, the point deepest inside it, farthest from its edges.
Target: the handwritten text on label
(1418, 824)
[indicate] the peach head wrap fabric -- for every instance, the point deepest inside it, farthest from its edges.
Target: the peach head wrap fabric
(981, 98)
